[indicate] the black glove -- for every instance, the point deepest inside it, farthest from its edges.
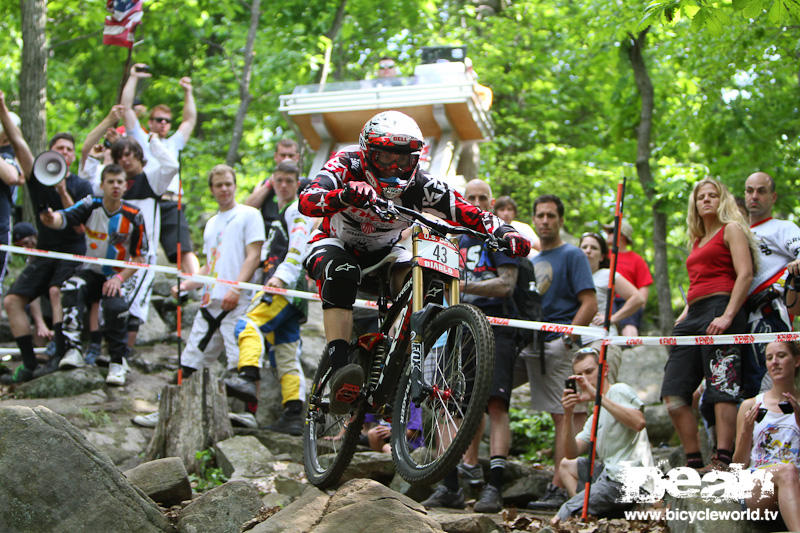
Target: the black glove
(518, 245)
(357, 194)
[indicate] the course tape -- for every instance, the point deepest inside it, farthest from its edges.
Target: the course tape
(588, 333)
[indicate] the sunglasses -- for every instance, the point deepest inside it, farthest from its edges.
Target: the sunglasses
(161, 120)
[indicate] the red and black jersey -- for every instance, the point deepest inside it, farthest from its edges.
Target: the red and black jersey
(362, 229)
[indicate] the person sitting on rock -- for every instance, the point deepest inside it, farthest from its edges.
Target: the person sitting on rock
(768, 435)
(379, 434)
(272, 323)
(621, 439)
(114, 230)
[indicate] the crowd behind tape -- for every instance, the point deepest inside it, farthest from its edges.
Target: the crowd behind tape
(588, 333)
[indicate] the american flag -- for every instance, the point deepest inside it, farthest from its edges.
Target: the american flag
(124, 16)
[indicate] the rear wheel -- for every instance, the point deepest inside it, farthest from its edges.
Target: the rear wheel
(329, 440)
(439, 424)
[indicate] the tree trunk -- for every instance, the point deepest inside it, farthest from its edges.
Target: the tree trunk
(332, 34)
(33, 74)
(643, 132)
(244, 85)
(192, 417)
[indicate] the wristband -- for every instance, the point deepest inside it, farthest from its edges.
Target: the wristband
(120, 278)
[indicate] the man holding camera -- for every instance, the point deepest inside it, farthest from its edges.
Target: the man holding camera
(43, 274)
(621, 440)
(779, 244)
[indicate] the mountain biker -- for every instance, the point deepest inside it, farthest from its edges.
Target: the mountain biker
(351, 237)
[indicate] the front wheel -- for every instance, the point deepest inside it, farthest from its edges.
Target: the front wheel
(457, 370)
(329, 440)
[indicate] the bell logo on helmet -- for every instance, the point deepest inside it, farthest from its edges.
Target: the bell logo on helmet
(400, 139)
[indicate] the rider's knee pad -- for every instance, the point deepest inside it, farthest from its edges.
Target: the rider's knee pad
(114, 308)
(339, 283)
(70, 290)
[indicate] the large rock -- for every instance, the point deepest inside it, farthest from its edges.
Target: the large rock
(243, 456)
(164, 480)
(62, 384)
(120, 443)
(372, 465)
(379, 508)
(642, 368)
(300, 516)
(681, 524)
(154, 329)
(53, 479)
(222, 510)
(468, 522)
(659, 424)
(278, 443)
(526, 488)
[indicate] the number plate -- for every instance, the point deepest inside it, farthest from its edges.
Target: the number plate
(438, 254)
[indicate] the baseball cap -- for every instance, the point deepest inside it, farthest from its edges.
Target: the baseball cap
(625, 229)
(22, 230)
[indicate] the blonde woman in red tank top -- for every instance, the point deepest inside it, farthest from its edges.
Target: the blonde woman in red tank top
(720, 267)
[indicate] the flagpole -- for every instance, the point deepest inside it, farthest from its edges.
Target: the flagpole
(612, 274)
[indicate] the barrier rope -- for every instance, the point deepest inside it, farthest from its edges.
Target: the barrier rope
(589, 333)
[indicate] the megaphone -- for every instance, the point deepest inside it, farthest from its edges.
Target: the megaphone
(50, 168)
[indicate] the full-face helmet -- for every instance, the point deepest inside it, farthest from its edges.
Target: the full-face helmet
(390, 144)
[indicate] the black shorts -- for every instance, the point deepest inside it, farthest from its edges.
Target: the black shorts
(721, 365)
(40, 274)
(169, 230)
(505, 356)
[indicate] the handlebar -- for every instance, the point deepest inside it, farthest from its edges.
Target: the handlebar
(387, 210)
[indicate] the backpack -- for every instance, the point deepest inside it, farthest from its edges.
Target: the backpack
(528, 304)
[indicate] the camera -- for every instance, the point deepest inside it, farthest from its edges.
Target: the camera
(571, 384)
(786, 407)
(762, 412)
(106, 143)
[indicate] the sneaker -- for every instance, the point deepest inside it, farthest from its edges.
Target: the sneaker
(444, 497)
(241, 388)
(50, 349)
(243, 420)
(490, 500)
(345, 385)
(289, 423)
(116, 374)
(472, 474)
(20, 375)
(551, 500)
(715, 464)
(48, 368)
(72, 359)
(92, 353)
(146, 421)
(103, 360)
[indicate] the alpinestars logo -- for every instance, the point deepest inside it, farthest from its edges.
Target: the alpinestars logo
(347, 267)
(433, 191)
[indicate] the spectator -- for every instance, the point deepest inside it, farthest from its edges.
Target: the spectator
(564, 279)
(173, 224)
(621, 440)
(768, 437)
(720, 268)
(232, 242)
(387, 68)
(779, 255)
(26, 236)
(634, 269)
(115, 230)
(490, 279)
(93, 153)
(596, 250)
(272, 323)
(379, 435)
(44, 275)
(11, 174)
(506, 208)
(263, 196)
(143, 191)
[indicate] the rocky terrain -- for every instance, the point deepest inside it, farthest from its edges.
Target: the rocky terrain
(71, 460)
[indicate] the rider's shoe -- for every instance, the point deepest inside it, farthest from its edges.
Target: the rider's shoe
(345, 385)
(444, 497)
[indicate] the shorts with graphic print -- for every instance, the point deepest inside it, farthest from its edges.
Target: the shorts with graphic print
(721, 365)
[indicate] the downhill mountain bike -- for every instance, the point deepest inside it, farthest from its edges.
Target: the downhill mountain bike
(430, 352)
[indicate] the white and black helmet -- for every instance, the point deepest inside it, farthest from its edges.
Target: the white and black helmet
(384, 137)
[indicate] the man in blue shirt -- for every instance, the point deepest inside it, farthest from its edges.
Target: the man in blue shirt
(564, 279)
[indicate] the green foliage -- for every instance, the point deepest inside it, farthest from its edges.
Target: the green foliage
(208, 475)
(95, 418)
(532, 433)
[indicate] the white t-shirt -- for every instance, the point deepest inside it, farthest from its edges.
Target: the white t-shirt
(617, 444)
(779, 243)
(776, 439)
(173, 144)
(225, 241)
